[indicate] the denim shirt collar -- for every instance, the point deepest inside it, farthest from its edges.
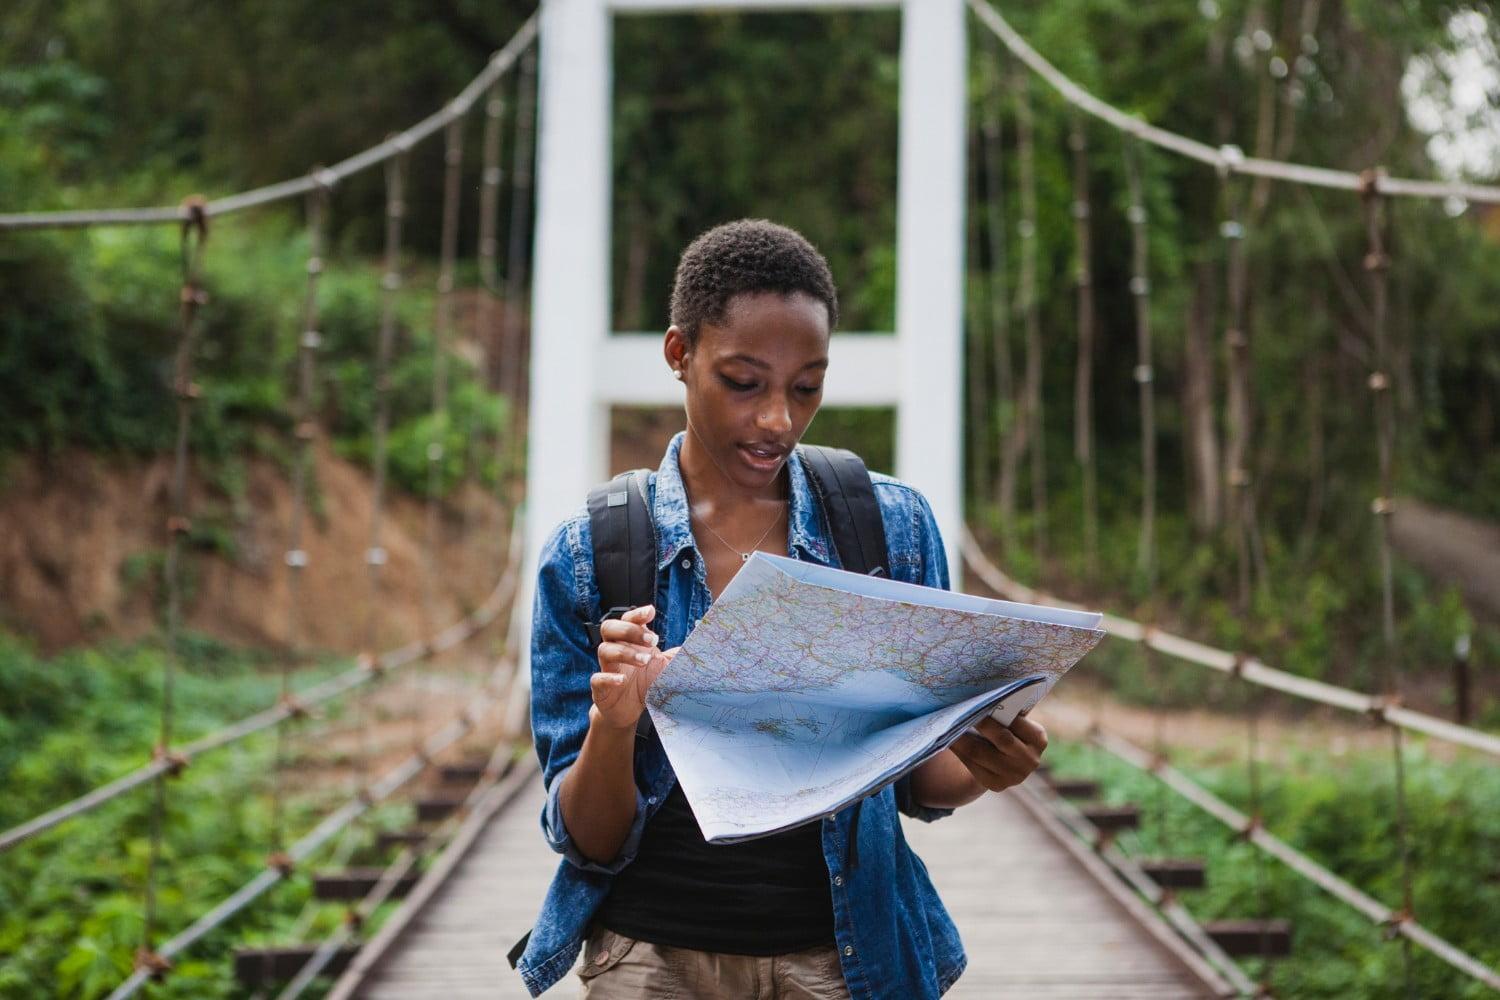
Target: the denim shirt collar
(674, 522)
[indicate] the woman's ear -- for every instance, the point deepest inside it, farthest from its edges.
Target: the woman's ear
(675, 350)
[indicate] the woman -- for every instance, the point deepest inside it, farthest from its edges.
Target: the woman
(835, 908)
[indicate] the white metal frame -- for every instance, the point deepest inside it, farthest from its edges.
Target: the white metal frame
(579, 368)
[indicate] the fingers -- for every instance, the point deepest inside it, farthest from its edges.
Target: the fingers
(640, 615)
(996, 733)
(968, 747)
(1030, 732)
(986, 765)
(997, 757)
(651, 671)
(615, 656)
(621, 630)
(1024, 730)
(607, 689)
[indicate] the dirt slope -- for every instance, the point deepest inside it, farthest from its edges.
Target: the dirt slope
(82, 539)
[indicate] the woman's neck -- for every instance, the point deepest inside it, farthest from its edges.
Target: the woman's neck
(707, 484)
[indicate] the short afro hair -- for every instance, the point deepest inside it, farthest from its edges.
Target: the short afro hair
(745, 257)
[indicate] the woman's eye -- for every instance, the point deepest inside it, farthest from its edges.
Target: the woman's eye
(737, 386)
(809, 390)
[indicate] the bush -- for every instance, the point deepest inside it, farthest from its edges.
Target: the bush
(1340, 812)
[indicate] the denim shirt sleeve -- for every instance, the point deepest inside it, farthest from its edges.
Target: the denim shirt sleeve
(562, 663)
(917, 555)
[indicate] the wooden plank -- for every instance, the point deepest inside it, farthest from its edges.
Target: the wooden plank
(355, 883)
(1111, 819)
(458, 942)
(464, 773)
(435, 807)
(260, 966)
(1076, 788)
(1252, 938)
(1034, 923)
(388, 840)
(1176, 873)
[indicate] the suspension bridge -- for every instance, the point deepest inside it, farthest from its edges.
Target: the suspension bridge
(1049, 883)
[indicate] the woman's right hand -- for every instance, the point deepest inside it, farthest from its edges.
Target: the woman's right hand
(629, 661)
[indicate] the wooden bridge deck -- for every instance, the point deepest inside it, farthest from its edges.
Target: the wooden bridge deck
(1035, 923)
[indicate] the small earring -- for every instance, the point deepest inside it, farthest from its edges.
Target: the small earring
(677, 374)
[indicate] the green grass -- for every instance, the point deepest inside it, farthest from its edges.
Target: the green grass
(71, 900)
(1339, 810)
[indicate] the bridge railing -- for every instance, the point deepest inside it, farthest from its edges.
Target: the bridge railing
(1379, 708)
(1250, 827)
(1374, 187)
(324, 178)
(194, 215)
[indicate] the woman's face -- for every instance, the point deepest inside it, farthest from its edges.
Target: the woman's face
(754, 381)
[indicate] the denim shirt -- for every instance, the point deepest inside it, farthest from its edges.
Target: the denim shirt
(893, 935)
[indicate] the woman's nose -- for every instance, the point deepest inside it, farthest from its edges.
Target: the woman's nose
(775, 418)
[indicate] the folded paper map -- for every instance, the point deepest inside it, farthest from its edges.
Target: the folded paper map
(806, 688)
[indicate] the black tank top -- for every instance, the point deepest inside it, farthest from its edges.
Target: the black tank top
(768, 896)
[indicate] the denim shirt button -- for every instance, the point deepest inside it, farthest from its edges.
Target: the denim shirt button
(687, 564)
(838, 880)
(848, 950)
(651, 800)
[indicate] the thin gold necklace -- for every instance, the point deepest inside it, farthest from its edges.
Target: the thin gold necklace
(744, 556)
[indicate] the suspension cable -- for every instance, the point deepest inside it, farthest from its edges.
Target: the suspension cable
(1375, 707)
(515, 328)
(1012, 427)
(376, 556)
(487, 252)
(1146, 558)
(397, 144)
(304, 430)
(1222, 158)
(1031, 311)
(191, 298)
(320, 693)
(1377, 263)
(389, 782)
(974, 346)
(1237, 403)
(1140, 292)
(1083, 375)
(441, 329)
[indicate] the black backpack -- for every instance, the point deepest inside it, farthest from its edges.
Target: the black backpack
(625, 536)
(624, 539)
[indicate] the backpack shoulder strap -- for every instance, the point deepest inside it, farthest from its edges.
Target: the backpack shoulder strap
(843, 483)
(624, 542)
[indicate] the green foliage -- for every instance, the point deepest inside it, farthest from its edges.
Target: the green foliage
(791, 116)
(1338, 807)
(700, 102)
(60, 101)
(71, 899)
(869, 431)
(1315, 601)
(91, 327)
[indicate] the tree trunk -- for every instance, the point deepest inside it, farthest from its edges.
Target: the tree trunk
(1028, 303)
(1202, 450)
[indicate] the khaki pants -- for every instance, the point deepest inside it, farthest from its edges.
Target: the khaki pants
(616, 967)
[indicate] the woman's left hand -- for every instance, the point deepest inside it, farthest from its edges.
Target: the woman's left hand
(999, 758)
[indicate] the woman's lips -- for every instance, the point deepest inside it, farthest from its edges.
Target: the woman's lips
(761, 459)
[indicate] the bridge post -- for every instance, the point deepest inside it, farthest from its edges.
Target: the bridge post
(578, 367)
(567, 422)
(931, 185)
